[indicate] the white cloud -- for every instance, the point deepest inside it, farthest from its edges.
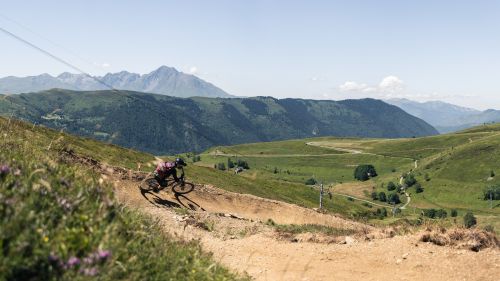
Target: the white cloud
(351, 86)
(390, 85)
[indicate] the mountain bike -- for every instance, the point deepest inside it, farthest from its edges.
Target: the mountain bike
(180, 187)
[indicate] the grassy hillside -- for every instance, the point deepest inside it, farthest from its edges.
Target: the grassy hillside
(59, 221)
(164, 125)
(453, 169)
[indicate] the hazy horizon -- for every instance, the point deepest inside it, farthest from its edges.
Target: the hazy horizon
(316, 50)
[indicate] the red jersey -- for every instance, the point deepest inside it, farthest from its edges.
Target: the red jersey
(164, 167)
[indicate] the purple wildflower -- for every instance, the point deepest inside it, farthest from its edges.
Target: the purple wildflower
(73, 261)
(104, 254)
(4, 170)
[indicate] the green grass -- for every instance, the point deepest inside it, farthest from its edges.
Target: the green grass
(310, 228)
(458, 166)
(59, 222)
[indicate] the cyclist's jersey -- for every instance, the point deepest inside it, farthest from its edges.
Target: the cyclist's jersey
(165, 168)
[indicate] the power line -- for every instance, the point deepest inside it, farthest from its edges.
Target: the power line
(47, 53)
(48, 40)
(113, 90)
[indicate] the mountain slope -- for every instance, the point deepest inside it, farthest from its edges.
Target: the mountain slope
(446, 117)
(164, 80)
(60, 220)
(443, 116)
(162, 124)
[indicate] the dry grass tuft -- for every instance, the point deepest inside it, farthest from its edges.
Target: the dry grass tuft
(463, 238)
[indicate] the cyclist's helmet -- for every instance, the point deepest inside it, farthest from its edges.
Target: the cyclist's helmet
(179, 162)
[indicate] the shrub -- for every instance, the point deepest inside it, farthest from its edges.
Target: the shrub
(374, 195)
(435, 214)
(489, 228)
(242, 163)
(469, 220)
(230, 163)
(453, 212)
(381, 213)
(196, 158)
(410, 180)
(492, 173)
(382, 197)
(426, 177)
(275, 170)
(310, 181)
(384, 212)
(430, 213)
(350, 198)
(441, 213)
(418, 188)
(366, 204)
(221, 166)
(393, 198)
(391, 186)
(492, 192)
(364, 172)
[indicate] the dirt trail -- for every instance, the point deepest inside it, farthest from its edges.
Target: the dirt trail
(257, 250)
(228, 225)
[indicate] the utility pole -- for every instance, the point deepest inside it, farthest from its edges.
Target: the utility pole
(321, 195)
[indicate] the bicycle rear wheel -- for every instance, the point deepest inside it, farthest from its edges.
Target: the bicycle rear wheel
(150, 184)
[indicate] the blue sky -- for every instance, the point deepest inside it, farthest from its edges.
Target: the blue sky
(422, 50)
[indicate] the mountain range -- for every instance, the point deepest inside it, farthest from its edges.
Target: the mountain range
(446, 117)
(163, 124)
(164, 80)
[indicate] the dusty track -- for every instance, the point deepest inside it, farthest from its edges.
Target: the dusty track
(238, 240)
(263, 255)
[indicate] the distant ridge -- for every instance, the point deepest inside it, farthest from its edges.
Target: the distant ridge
(163, 124)
(164, 80)
(446, 117)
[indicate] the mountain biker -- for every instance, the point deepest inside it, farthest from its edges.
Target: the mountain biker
(166, 169)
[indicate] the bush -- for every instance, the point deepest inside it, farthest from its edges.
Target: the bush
(384, 212)
(275, 170)
(426, 177)
(221, 166)
(382, 197)
(374, 195)
(492, 192)
(435, 214)
(311, 181)
(393, 198)
(196, 158)
(410, 180)
(391, 186)
(489, 228)
(230, 163)
(364, 172)
(242, 163)
(453, 212)
(381, 213)
(492, 173)
(366, 204)
(418, 188)
(441, 213)
(469, 220)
